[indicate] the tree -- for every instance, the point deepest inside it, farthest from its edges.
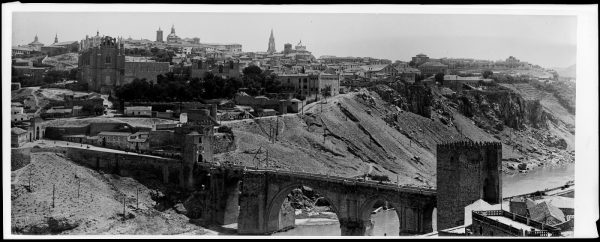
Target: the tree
(439, 78)
(487, 73)
(326, 92)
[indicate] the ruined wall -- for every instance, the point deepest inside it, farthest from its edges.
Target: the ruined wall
(19, 158)
(223, 143)
(466, 172)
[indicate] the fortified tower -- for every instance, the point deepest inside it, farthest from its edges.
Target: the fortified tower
(466, 172)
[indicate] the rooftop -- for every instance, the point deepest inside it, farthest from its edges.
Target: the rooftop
(17, 131)
(109, 133)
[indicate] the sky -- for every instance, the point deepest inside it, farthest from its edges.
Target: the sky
(549, 41)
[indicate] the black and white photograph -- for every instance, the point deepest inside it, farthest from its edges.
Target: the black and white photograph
(299, 121)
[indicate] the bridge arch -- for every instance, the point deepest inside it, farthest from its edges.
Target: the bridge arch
(275, 203)
(368, 207)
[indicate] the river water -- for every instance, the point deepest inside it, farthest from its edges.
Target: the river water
(386, 222)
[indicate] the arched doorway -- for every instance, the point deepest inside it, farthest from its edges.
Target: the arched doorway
(299, 210)
(381, 217)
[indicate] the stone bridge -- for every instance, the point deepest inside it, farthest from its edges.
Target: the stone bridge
(253, 198)
(261, 193)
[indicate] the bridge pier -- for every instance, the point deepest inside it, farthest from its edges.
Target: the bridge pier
(355, 227)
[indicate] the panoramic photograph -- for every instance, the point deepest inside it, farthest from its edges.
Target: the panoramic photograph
(237, 124)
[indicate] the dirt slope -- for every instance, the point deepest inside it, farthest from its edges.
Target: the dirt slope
(360, 130)
(97, 210)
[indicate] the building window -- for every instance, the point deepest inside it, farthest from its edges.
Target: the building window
(108, 60)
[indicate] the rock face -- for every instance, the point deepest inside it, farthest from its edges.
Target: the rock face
(495, 109)
(415, 98)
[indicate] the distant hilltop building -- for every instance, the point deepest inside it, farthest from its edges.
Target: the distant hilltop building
(271, 48)
(172, 37)
(103, 67)
(58, 48)
(159, 35)
(420, 59)
(35, 45)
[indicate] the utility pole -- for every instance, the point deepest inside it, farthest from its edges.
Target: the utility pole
(277, 128)
(53, 192)
(30, 175)
(123, 205)
(271, 131)
(267, 160)
(78, 186)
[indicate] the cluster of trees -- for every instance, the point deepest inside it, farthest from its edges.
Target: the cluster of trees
(257, 82)
(174, 87)
(160, 55)
(49, 77)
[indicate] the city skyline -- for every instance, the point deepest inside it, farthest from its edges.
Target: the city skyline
(549, 41)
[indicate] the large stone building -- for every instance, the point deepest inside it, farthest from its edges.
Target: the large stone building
(420, 59)
(225, 69)
(102, 64)
(433, 67)
(311, 84)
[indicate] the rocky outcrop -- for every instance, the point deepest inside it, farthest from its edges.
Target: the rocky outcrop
(494, 109)
(416, 98)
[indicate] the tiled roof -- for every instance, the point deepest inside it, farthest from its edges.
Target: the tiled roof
(109, 133)
(544, 210)
(17, 131)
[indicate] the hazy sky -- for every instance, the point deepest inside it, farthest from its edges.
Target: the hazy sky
(549, 41)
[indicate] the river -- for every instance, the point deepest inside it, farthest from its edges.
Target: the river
(386, 222)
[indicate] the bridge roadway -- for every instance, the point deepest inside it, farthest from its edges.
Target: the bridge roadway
(328, 178)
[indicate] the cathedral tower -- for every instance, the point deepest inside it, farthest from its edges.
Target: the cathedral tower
(271, 48)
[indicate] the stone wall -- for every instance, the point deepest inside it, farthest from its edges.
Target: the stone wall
(161, 138)
(139, 166)
(144, 70)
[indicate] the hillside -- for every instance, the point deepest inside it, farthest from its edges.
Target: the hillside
(99, 208)
(364, 129)
(357, 135)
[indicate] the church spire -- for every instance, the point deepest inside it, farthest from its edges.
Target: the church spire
(55, 38)
(173, 29)
(271, 48)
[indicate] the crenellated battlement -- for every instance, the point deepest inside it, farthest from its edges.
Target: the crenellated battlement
(466, 144)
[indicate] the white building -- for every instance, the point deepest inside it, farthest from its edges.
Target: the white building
(142, 111)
